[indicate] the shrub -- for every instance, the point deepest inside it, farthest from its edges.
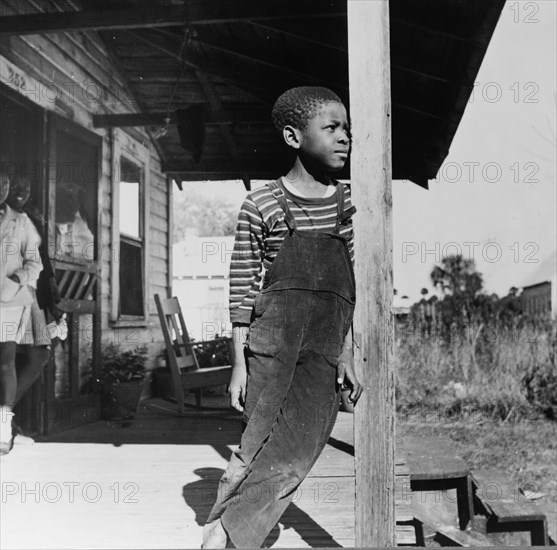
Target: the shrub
(123, 365)
(540, 382)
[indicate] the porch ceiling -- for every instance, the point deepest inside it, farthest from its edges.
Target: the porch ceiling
(234, 58)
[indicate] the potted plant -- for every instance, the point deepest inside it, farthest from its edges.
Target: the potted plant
(122, 378)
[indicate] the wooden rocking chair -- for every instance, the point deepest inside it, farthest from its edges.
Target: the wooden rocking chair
(185, 372)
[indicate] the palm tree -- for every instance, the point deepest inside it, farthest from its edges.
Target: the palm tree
(457, 277)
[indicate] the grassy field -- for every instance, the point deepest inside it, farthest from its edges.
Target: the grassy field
(506, 373)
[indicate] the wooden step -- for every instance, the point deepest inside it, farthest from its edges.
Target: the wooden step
(435, 466)
(452, 536)
(431, 458)
(507, 507)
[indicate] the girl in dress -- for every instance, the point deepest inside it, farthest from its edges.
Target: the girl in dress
(20, 266)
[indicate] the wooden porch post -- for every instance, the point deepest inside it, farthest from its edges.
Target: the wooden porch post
(374, 421)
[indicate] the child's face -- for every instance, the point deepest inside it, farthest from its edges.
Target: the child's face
(20, 190)
(325, 142)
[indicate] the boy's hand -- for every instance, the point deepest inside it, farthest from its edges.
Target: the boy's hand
(347, 375)
(237, 387)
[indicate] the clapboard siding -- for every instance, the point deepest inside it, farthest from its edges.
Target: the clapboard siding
(85, 81)
(159, 209)
(158, 220)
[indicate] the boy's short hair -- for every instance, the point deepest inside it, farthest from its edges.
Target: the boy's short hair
(297, 105)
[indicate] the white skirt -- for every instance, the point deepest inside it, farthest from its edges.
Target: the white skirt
(13, 322)
(36, 333)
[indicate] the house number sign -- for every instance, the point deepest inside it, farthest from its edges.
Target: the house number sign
(26, 85)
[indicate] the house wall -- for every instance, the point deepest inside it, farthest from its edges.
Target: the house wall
(75, 76)
(200, 282)
(204, 303)
(536, 300)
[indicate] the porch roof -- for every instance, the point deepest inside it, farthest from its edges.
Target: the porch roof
(225, 63)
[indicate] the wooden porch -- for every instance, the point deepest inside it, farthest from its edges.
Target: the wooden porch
(152, 482)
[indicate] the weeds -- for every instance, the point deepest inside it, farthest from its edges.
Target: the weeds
(503, 371)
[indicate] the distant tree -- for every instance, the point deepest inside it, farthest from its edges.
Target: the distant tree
(197, 214)
(510, 306)
(457, 276)
(463, 304)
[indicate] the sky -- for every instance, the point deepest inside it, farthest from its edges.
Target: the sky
(494, 199)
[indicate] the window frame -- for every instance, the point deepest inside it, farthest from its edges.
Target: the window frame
(128, 148)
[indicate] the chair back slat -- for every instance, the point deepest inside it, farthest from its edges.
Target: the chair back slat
(176, 338)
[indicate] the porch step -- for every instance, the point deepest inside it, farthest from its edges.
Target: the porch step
(507, 508)
(452, 536)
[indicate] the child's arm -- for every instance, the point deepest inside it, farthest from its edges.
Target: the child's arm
(238, 380)
(246, 263)
(245, 276)
(32, 266)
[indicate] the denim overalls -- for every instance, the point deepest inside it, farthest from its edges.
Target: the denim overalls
(302, 315)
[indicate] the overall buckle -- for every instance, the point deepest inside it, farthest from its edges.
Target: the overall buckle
(277, 193)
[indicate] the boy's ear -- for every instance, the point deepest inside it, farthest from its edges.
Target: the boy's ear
(292, 136)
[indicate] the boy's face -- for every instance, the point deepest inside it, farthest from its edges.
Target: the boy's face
(325, 142)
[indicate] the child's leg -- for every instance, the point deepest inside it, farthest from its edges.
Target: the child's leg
(8, 377)
(8, 388)
(30, 361)
(299, 431)
(268, 382)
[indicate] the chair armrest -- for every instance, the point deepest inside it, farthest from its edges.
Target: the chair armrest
(220, 339)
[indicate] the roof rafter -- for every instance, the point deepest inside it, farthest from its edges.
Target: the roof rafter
(195, 12)
(256, 88)
(298, 37)
(338, 49)
(270, 70)
(245, 115)
(213, 164)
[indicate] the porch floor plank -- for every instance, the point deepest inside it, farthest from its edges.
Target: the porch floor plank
(152, 484)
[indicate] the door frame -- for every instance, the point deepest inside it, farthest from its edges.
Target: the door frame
(80, 287)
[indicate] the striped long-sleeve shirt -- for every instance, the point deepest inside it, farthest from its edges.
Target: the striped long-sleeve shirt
(259, 234)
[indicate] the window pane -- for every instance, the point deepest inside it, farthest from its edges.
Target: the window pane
(129, 214)
(131, 279)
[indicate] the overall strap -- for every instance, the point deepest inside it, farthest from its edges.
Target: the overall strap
(340, 206)
(279, 195)
(342, 215)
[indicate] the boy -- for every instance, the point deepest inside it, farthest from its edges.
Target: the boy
(295, 324)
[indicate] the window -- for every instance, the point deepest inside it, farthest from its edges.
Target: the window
(128, 265)
(131, 240)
